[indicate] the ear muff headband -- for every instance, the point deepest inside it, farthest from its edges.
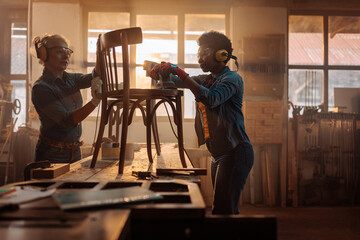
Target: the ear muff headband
(41, 50)
(223, 56)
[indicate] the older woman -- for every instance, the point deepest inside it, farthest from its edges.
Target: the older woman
(58, 102)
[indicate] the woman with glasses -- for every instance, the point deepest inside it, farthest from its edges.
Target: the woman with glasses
(219, 121)
(58, 101)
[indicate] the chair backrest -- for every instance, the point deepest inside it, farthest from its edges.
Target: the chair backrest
(108, 55)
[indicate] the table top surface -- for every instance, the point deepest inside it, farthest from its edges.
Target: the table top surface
(107, 170)
(181, 199)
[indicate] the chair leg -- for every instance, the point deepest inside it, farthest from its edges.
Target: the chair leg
(99, 139)
(124, 130)
(148, 130)
(117, 123)
(180, 131)
(111, 122)
(156, 135)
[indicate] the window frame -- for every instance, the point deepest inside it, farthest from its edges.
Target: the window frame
(8, 17)
(325, 67)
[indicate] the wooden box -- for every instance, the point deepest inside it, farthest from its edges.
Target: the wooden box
(53, 171)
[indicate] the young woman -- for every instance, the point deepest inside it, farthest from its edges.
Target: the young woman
(219, 121)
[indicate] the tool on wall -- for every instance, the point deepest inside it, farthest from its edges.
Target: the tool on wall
(310, 89)
(326, 158)
(8, 144)
(6, 105)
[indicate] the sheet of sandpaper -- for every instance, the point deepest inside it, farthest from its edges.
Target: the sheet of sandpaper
(97, 198)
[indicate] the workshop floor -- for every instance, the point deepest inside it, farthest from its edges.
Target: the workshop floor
(312, 223)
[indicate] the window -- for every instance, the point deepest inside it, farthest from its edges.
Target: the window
(344, 40)
(18, 69)
(324, 55)
(343, 84)
(18, 48)
(306, 86)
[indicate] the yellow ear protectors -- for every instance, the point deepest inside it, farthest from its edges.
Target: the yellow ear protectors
(41, 51)
(221, 55)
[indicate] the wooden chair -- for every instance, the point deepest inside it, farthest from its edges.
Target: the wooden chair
(113, 93)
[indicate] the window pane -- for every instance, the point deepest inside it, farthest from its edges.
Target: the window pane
(19, 92)
(102, 22)
(142, 80)
(159, 38)
(306, 40)
(344, 40)
(305, 87)
(344, 90)
(189, 99)
(18, 48)
(195, 25)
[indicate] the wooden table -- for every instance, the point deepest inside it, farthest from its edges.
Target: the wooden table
(179, 215)
(182, 202)
(54, 224)
(180, 208)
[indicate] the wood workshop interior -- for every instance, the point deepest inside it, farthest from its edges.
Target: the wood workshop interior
(300, 65)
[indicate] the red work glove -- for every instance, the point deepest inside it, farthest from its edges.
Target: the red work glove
(176, 70)
(154, 73)
(164, 69)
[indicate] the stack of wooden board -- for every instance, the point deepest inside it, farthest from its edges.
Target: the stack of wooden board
(263, 121)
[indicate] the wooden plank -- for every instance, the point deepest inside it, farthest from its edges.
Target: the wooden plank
(81, 171)
(172, 171)
(292, 165)
(270, 177)
(53, 171)
(252, 186)
(264, 178)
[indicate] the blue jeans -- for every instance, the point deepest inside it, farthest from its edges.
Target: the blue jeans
(229, 173)
(56, 155)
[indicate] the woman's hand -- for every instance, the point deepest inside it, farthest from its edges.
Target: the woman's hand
(164, 69)
(96, 90)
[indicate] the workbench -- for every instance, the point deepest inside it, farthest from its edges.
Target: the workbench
(179, 214)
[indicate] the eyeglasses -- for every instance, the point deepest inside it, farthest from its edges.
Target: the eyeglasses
(204, 53)
(62, 50)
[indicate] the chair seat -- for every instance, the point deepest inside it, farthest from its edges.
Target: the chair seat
(147, 93)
